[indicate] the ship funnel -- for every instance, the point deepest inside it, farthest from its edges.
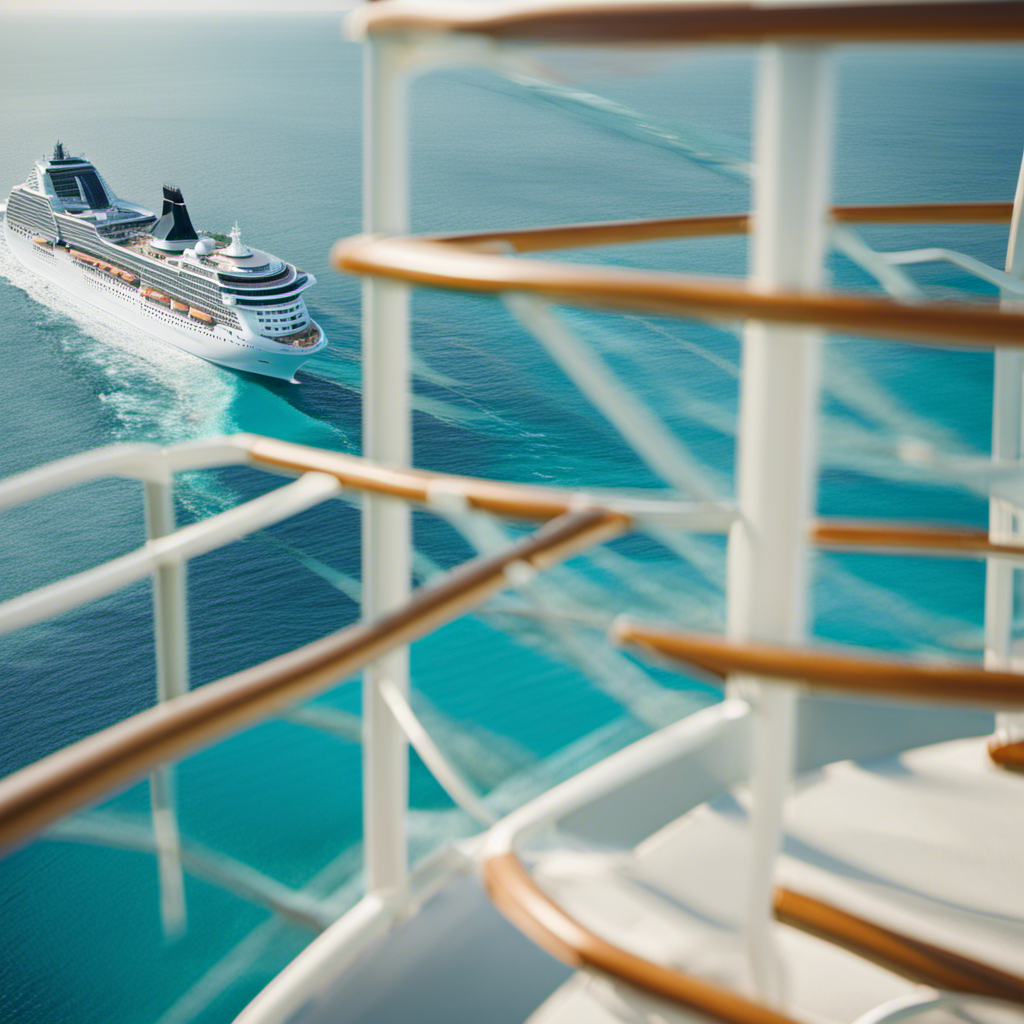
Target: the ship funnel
(174, 231)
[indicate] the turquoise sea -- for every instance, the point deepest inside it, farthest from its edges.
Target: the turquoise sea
(258, 119)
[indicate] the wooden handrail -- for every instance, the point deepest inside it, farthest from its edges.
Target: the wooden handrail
(895, 537)
(540, 502)
(622, 232)
(518, 501)
(515, 893)
(518, 896)
(38, 795)
(919, 961)
(1007, 755)
(446, 265)
(845, 673)
(707, 23)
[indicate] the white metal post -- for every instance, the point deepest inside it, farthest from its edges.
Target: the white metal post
(777, 443)
(1004, 523)
(170, 626)
(387, 437)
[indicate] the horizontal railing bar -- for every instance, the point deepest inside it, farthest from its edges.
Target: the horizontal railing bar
(1007, 755)
(845, 673)
(135, 461)
(188, 542)
(83, 773)
(697, 23)
(443, 265)
(894, 537)
(521, 501)
(580, 236)
(517, 501)
(128, 461)
(920, 962)
(514, 892)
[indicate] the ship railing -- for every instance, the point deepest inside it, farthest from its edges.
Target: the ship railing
(35, 798)
(184, 720)
(534, 911)
(477, 263)
(40, 794)
(302, 339)
(489, 263)
(782, 310)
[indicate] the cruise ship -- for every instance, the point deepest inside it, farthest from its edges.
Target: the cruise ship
(211, 296)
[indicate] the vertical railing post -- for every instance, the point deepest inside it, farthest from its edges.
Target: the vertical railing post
(387, 437)
(777, 445)
(170, 625)
(1004, 522)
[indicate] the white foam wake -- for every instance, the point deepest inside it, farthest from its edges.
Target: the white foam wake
(155, 392)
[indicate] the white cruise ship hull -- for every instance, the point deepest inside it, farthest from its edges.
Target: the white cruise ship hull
(114, 296)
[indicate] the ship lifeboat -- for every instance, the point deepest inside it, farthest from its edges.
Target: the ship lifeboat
(43, 242)
(179, 306)
(84, 257)
(198, 314)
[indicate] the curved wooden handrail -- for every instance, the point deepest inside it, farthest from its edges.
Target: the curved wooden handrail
(895, 537)
(707, 23)
(1007, 755)
(623, 232)
(446, 265)
(515, 893)
(518, 501)
(541, 502)
(919, 961)
(36, 796)
(845, 673)
(518, 896)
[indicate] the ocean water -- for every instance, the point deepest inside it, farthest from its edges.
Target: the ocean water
(258, 119)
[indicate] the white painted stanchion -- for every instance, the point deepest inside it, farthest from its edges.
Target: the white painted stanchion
(777, 444)
(170, 624)
(387, 438)
(1004, 524)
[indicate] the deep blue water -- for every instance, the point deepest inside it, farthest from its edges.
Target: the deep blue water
(258, 119)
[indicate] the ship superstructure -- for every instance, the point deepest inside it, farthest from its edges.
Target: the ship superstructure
(223, 301)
